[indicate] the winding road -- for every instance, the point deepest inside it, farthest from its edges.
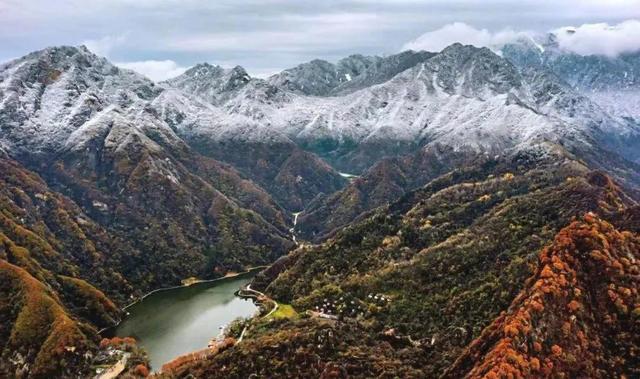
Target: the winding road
(262, 297)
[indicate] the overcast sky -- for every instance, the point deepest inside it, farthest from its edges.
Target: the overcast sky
(161, 38)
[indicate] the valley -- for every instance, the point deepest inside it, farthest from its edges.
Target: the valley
(470, 212)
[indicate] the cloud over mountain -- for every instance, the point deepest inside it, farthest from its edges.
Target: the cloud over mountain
(586, 39)
(155, 70)
(105, 45)
(601, 38)
(438, 39)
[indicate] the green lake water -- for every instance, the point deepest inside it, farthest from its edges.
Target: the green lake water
(170, 323)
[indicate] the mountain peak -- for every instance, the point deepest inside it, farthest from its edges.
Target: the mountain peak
(238, 72)
(56, 55)
(211, 82)
(203, 70)
(459, 50)
(64, 49)
(46, 65)
(472, 71)
(206, 71)
(48, 94)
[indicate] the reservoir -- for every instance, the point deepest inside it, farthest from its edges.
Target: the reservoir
(173, 322)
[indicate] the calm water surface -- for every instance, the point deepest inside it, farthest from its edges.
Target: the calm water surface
(178, 321)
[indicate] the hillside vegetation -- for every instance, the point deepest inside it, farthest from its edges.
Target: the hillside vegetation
(418, 286)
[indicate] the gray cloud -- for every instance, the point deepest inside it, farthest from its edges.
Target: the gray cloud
(268, 35)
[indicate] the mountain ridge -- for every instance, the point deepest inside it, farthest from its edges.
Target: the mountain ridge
(410, 107)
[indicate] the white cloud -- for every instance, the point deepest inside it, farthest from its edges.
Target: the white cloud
(155, 70)
(601, 39)
(466, 34)
(587, 39)
(264, 73)
(103, 46)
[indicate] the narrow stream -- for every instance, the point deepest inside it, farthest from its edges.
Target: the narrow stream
(347, 176)
(295, 222)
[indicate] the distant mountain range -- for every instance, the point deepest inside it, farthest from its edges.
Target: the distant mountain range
(407, 103)
(113, 185)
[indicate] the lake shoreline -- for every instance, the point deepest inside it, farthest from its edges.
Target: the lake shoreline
(230, 275)
(169, 323)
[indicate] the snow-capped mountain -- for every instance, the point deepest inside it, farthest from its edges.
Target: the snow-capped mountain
(47, 95)
(485, 104)
(222, 104)
(464, 97)
(611, 82)
(212, 83)
(352, 113)
(322, 78)
(584, 72)
(67, 104)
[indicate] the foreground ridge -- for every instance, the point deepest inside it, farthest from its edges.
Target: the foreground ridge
(578, 316)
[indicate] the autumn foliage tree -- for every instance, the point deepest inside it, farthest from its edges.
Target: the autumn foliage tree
(577, 316)
(141, 370)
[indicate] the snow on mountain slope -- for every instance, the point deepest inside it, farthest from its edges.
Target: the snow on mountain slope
(322, 78)
(60, 98)
(64, 108)
(463, 97)
(65, 103)
(192, 117)
(292, 176)
(317, 77)
(222, 104)
(612, 82)
(625, 103)
(213, 83)
(47, 95)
